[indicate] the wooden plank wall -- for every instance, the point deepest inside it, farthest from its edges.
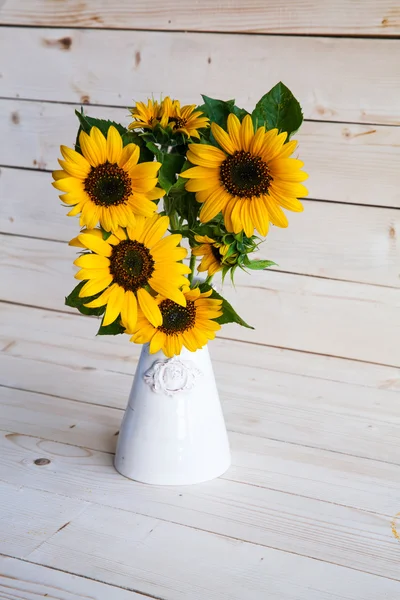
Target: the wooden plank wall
(336, 290)
(312, 409)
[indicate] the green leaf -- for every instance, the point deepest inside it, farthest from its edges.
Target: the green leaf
(75, 301)
(88, 122)
(171, 164)
(239, 112)
(260, 265)
(114, 328)
(278, 109)
(217, 110)
(229, 314)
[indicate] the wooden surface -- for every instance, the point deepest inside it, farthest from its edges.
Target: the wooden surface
(358, 17)
(310, 509)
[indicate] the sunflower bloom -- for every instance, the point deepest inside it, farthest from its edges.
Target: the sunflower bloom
(187, 119)
(191, 326)
(212, 252)
(145, 117)
(125, 265)
(249, 179)
(106, 185)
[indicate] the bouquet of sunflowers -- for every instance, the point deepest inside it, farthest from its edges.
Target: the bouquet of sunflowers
(180, 182)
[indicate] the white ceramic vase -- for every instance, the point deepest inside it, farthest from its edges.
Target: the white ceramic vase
(173, 430)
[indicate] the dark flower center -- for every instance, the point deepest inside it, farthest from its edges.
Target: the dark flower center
(245, 175)
(179, 122)
(131, 265)
(108, 185)
(216, 253)
(176, 318)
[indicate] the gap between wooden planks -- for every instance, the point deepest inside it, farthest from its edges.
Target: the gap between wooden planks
(21, 577)
(326, 531)
(335, 79)
(337, 318)
(345, 162)
(333, 404)
(362, 17)
(326, 240)
(39, 422)
(170, 561)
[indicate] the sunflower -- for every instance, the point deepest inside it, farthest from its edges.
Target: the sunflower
(249, 180)
(106, 184)
(212, 252)
(145, 117)
(187, 119)
(191, 326)
(128, 263)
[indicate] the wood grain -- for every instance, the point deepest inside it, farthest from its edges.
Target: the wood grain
(303, 313)
(128, 550)
(21, 580)
(362, 17)
(332, 404)
(329, 476)
(28, 518)
(335, 79)
(315, 243)
(345, 163)
(289, 523)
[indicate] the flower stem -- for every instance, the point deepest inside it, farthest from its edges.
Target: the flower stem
(192, 266)
(209, 279)
(174, 221)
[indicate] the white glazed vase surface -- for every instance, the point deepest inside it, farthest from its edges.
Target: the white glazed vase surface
(173, 431)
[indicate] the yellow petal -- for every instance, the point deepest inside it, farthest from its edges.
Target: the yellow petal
(157, 342)
(114, 304)
(154, 230)
(149, 307)
(58, 174)
(92, 261)
(288, 149)
(89, 149)
(246, 133)
(129, 156)
(207, 151)
(276, 215)
(95, 244)
(257, 141)
(114, 145)
(100, 142)
(213, 205)
(203, 162)
(95, 286)
(146, 170)
(245, 214)
(222, 138)
(200, 173)
(102, 300)
(129, 311)
(199, 185)
(84, 274)
(168, 290)
(234, 127)
(259, 215)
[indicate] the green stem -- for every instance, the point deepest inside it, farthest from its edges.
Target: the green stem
(174, 220)
(209, 279)
(192, 266)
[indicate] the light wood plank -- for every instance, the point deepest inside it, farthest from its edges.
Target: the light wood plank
(362, 17)
(345, 163)
(135, 552)
(310, 246)
(177, 569)
(336, 478)
(327, 317)
(21, 580)
(54, 338)
(337, 405)
(28, 518)
(287, 522)
(335, 79)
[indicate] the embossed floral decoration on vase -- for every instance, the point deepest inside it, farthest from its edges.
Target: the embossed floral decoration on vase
(179, 189)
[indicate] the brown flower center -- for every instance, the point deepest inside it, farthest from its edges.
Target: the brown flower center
(131, 265)
(245, 175)
(108, 185)
(176, 318)
(216, 254)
